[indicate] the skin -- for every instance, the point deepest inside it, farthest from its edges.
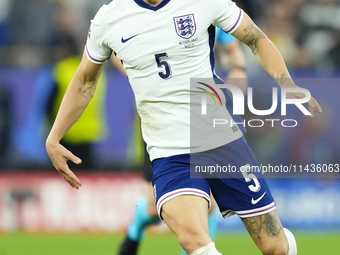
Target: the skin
(153, 2)
(267, 232)
(186, 216)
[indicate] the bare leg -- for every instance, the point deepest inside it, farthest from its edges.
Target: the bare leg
(187, 217)
(267, 232)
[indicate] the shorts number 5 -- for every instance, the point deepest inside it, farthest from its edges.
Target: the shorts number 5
(250, 177)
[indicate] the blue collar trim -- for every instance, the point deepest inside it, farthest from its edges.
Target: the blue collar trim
(143, 4)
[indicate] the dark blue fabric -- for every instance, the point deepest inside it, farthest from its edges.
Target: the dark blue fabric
(142, 4)
(230, 190)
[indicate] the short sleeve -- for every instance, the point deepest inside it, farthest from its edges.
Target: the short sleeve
(225, 14)
(223, 37)
(96, 48)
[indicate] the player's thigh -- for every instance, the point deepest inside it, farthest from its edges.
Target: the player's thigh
(187, 217)
(186, 213)
(267, 232)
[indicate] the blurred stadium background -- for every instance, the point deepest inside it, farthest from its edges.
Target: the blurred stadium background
(40, 213)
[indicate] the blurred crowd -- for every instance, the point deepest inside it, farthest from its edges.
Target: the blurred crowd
(31, 30)
(38, 33)
(307, 32)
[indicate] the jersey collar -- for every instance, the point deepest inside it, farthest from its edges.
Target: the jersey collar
(142, 4)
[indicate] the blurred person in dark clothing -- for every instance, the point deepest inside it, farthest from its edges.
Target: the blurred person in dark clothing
(32, 22)
(4, 126)
(32, 31)
(318, 34)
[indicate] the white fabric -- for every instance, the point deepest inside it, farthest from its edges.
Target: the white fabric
(164, 103)
(209, 249)
(291, 242)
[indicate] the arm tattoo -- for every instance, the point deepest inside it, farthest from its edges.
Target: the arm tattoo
(82, 92)
(280, 79)
(252, 37)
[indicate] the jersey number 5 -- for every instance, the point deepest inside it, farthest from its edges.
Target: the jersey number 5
(167, 74)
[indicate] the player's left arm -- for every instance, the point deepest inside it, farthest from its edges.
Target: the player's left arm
(269, 57)
(78, 95)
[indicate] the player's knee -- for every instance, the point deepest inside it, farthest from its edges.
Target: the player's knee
(279, 248)
(192, 239)
(185, 242)
(190, 243)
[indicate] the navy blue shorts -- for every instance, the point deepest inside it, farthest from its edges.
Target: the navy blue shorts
(230, 172)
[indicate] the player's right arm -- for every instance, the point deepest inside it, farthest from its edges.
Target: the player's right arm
(78, 95)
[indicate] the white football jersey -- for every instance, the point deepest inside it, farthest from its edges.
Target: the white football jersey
(162, 48)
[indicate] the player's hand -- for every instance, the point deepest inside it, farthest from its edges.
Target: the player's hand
(59, 156)
(313, 104)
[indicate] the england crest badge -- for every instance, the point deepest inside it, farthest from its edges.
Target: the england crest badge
(185, 25)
